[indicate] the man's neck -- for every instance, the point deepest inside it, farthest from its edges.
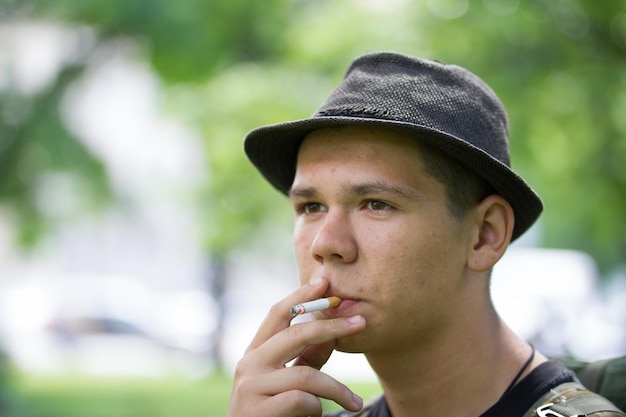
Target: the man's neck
(459, 377)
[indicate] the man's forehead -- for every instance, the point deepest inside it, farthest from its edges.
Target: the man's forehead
(359, 162)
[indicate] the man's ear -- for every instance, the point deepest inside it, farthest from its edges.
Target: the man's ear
(493, 228)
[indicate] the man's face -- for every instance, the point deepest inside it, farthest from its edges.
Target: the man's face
(376, 226)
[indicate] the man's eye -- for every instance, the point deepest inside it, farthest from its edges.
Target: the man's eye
(377, 205)
(310, 208)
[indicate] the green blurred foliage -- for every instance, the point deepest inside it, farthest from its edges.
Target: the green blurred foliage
(232, 65)
(7, 387)
(237, 200)
(187, 40)
(34, 144)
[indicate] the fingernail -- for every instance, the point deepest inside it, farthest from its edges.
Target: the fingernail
(355, 319)
(357, 401)
(315, 282)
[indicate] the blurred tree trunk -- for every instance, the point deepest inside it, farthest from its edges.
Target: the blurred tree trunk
(217, 280)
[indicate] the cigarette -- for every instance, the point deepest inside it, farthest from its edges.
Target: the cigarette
(315, 305)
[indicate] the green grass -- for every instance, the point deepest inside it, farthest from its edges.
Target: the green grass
(76, 396)
(80, 396)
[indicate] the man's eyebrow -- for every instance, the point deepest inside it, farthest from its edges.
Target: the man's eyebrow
(302, 192)
(383, 187)
(365, 189)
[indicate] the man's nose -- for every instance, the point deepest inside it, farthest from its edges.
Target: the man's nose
(334, 240)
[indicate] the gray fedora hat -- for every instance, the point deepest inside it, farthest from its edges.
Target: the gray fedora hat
(445, 106)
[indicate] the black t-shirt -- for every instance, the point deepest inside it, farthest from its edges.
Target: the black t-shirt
(515, 402)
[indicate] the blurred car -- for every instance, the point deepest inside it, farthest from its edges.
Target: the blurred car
(107, 328)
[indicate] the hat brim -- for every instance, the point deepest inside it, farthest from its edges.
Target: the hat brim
(273, 150)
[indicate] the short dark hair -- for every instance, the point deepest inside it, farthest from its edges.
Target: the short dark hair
(464, 189)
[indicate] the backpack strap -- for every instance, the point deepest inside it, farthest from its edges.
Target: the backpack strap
(591, 375)
(570, 399)
(606, 377)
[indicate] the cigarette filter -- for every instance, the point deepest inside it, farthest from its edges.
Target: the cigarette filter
(315, 305)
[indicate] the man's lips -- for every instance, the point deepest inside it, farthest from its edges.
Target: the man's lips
(342, 309)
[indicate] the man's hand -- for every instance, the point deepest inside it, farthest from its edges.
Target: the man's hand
(264, 387)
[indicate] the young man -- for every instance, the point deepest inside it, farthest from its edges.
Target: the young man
(404, 201)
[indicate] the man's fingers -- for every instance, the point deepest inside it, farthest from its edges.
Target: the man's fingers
(297, 387)
(305, 378)
(315, 356)
(263, 385)
(291, 342)
(279, 317)
(292, 403)
(285, 404)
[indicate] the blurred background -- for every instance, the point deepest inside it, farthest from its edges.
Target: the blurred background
(139, 250)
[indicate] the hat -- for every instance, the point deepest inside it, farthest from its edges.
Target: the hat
(442, 105)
